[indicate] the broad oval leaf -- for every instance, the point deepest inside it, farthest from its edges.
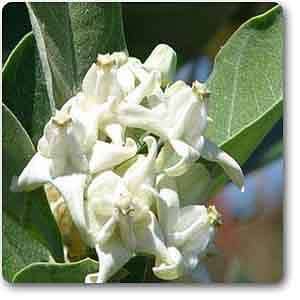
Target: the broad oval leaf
(247, 78)
(69, 36)
(23, 87)
(56, 272)
(62, 272)
(246, 88)
(19, 249)
(29, 210)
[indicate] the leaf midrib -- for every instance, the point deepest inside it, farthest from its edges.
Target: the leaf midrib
(252, 122)
(46, 61)
(235, 84)
(236, 65)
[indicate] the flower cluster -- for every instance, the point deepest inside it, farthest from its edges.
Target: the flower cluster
(123, 199)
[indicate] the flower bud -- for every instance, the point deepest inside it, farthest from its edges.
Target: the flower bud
(163, 58)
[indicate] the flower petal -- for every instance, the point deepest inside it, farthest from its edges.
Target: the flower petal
(191, 220)
(107, 230)
(192, 233)
(189, 215)
(64, 142)
(89, 81)
(100, 193)
(143, 168)
(35, 174)
(137, 116)
(107, 155)
(86, 122)
(188, 156)
(109, 86)
(137, 69)
(197, 124)
(172, 269)
(144, 89)
(101, 82)
(115, 132)
(126, 229)
(149, 238)
(112, 256)
(167, 204)
(197, 244)
(126, 78)
(162, 58)
(175, 88)
(211, 152)
(72, 188)
(180, 102)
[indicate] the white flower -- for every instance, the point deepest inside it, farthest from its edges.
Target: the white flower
(101, 92)
(62, 161)
(180, 119)
(120, 219)
(112, 80)
(188, 231)
(125, 204)
(66, 159)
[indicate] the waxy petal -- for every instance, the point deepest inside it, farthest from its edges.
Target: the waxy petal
(126, 78)
(212, 152)
(191, 220)
(86, 123)
(197, 244)
(72, 190)
(107, 155)
(126, 229)
(36, 173)
(100, 193)
(189, 229)
(89, 82)
(112, 256)
(179, 108)
(107, 230)
(162, 58)
(137, 69)
(143, 168)
(137, 116)
(196, 125)
(144, 89)
(115, 132)
(100, 83)
(187, 154)
(149, 238)
(167, 204)
(171, 269)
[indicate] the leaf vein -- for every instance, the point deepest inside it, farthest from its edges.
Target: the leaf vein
(235, 84)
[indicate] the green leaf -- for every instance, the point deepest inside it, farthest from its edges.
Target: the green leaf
(247, 88)
(23, 86)
(57, 272)
(30, 210)
(69, 36)
(242, 145)
(19, 249)
(62, 272)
